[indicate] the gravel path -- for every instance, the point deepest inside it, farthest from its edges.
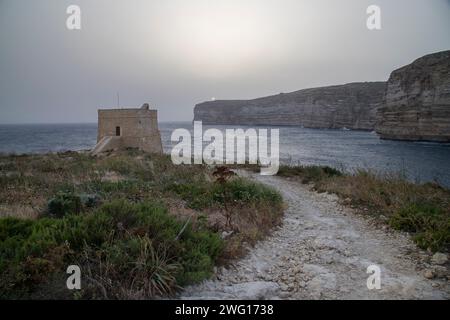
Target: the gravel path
(322, 251)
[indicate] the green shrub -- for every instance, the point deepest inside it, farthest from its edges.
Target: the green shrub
(200, 196)
(197, 196)
(331, 172)
(13, 227)
(136, 247)
(89, 200)
(429, 224)
(64, 203)
(202, 249)
(308, 173)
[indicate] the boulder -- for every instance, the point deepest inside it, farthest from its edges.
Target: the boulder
(439, 258)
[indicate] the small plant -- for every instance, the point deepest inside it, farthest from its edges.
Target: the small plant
(223, 174)
(309, 173)
(64, 203)
(330, 172)
(428, 224)
(89, 200)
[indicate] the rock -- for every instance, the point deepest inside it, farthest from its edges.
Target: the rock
(440, 271)
(439, 258)
(351, 106)
(296, 270)
(347, 201)
(226, 234)
(429, 274)
(417, 101)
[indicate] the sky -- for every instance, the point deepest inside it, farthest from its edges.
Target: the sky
(174, 54)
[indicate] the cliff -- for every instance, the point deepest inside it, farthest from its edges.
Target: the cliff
(352, 106)
(417, 101)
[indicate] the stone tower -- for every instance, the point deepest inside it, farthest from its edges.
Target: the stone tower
(128, 128)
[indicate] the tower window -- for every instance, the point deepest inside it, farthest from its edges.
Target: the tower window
(118, 131)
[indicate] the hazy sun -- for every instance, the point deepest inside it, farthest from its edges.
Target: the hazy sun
(220, 39)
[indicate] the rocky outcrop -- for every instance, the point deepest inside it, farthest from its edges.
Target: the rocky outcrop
(417, 102)
(352, 106)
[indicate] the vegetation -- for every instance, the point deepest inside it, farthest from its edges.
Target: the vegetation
(420, 209)
(308, 174)
(126, 249)
(137, 225)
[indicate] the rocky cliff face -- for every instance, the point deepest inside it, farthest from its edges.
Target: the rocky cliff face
(417, 102)
(351, 106)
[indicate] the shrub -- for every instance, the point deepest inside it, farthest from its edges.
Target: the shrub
(330, 172)
(64, 203)
(200, 196)
(125, 249)
(89, 200)
(308, 173)
(202, 250)
(429, 224)
(242, 190)
(197, 195)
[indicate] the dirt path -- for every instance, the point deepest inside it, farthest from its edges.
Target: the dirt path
(322, 251)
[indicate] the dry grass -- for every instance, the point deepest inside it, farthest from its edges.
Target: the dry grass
(19, 211)
(384, 194)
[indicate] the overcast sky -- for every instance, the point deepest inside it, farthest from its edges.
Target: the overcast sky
(176, 53)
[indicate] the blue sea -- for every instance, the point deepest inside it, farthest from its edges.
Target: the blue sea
(345, 150)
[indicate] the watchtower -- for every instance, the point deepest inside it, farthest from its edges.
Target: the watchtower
(128, 128)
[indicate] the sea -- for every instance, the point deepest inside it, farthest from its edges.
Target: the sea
(342, 149)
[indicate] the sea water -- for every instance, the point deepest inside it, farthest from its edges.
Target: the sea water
(342, 149)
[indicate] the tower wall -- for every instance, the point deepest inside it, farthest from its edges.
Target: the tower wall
(138, 128)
